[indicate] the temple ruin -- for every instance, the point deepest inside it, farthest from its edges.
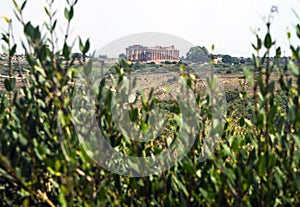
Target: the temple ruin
(152, 54)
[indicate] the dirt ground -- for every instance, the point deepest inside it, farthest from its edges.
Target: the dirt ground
(165, 82)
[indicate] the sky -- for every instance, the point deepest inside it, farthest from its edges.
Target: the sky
(228, 24)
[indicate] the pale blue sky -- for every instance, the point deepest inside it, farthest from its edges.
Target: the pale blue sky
(225, 23)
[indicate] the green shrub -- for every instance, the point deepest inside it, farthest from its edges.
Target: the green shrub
(43, 163)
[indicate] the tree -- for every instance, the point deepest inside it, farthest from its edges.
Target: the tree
(103, 56)
(76, 55)
(122, 56)
(197, 54)
(227, 59)
(235, 60)
(243, 61)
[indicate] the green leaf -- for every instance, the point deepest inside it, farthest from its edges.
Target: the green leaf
(6, 174)
(43, 52)
(40, 70)
(10, 84)
(227, 150)
(86, 47)
(16, 5)
(87, 69)
(13, 50)
(262, 165)
(294, 52)
(6, 19)
(5, 38)
(204, 193)
(248, 76)
(242, 121)
(66, 12)
(29, 30)
(23, 5)
(289, 35)
(278, 180)
(271, 160)
(298, 30)
(61, 118)
(81, 47)
(296, 178)
(268, 41)
(133, 114)
(292, 66)
(66, 51)
(47, 12)
(297, 140)
(278, 52)
(62, 199)
(5, 50)
(69, 13)
(259, 43)
(180, 185)
(54, 25)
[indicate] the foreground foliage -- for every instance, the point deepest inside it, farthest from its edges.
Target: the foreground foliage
(43, 163)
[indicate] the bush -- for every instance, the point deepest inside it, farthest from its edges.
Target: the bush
(44, 164)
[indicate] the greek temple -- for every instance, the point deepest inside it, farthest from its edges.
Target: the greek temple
(152, 54)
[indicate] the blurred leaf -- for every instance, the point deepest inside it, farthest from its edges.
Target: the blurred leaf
(296, 178)
(293, 67)
(298, 30)
(294, 52)
(86, 47)
(5, 38)
(262, 165)
(289, 35)
(29, 30)
(259, 43)
(6, 19)
(61, 118)
(242, 121)
(205, 194)
(88, 68)
(66, 51)
(278, 52)
(7, 175)
(62, 199)
(54, 25)
(81, 47)
(5, 50)
(13, 50)
(69, 13)
(47, 12)
(23, 5)
(180, 185)
(16, 5)
(133, 114)
(268, 41)
(10, 84)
